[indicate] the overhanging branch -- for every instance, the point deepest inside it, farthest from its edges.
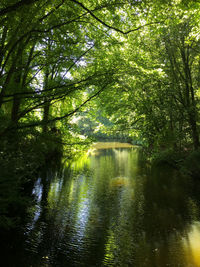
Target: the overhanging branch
(109, 26)
(15, 6)
(39, 123)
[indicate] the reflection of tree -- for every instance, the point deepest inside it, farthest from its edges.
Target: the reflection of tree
(111, 210)
(162, 216)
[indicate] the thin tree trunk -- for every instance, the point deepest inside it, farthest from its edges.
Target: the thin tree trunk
(46, 106)
(46, 117)
(190, 99)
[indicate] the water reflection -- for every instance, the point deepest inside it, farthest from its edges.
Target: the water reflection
(36, 210)
(110, 209)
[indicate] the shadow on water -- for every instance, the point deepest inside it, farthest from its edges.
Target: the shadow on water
(111, 209)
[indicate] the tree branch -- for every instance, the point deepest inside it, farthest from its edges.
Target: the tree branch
(109, 26)
(38, 123)
(15, 6)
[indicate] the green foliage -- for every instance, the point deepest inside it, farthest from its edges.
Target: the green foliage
(169, 157)
(191, 164)
(21, 159)
(186, 161)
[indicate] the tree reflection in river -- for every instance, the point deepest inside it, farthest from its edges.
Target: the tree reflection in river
(110, 209)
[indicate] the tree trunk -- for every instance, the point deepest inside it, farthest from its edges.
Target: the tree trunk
(195, 135)
(46, 117)
(189, 94)
(15, 110)
(46, 105)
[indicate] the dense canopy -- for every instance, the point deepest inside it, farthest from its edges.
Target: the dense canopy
(128, 67)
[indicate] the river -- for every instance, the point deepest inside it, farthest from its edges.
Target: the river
(110, 208)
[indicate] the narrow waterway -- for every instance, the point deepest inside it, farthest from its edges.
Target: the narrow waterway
(111, 209)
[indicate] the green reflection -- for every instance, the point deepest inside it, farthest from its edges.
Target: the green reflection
(111, 209)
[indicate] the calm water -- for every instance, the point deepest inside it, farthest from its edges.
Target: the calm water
(111, 209)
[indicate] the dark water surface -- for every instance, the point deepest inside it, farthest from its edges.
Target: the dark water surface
(111, 209)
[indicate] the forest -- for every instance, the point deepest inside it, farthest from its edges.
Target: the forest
(74, 71)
